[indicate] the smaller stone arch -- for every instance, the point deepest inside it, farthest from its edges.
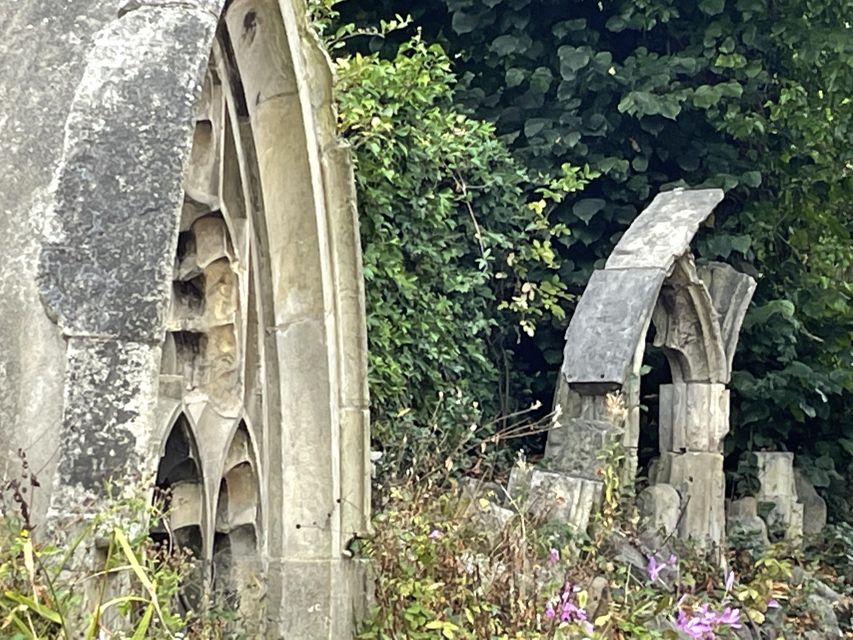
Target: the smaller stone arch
(651, 278)
(237, 533)
(179, 488)
(209, 479)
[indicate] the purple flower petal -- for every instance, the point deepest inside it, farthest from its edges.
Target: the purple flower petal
(553, 557)
(730, 580)
(653, 569)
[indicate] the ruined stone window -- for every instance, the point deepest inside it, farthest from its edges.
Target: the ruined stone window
(652, 280)
(211, 378)
(218, 340)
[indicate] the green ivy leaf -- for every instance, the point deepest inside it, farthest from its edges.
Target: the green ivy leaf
(712, 7)
(572, 59)
(534, 126)
(706, 96)
(464, 22)
(585, 209)
(751, 178)
(505, 45)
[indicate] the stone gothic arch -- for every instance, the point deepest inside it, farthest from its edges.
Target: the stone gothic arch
(651, 278)
(193, 281)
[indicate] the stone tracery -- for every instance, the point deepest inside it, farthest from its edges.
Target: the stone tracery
(211, 347)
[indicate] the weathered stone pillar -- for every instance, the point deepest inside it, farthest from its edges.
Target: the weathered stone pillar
(694, 419)
(778, 488)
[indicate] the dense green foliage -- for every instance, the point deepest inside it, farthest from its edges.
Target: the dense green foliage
(750, 95)
(47, 592)
(456, 260)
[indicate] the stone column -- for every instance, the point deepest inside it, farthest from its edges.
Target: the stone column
(694, 419)
(778, 487)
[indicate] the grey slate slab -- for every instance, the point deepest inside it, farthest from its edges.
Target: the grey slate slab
(611, 319)
(663, 231)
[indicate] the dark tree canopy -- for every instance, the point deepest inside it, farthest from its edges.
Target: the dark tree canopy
(750, 95)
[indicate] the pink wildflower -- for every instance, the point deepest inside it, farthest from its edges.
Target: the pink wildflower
(654, 569)
(564, 607)
(553, 557)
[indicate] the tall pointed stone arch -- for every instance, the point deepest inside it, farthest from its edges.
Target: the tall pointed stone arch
(185, 244)
(651, 278)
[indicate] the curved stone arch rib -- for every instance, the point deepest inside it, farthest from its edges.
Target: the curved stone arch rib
(609, 323)
(106, 254)
(612, 316)
(121, 174)
(662, 233)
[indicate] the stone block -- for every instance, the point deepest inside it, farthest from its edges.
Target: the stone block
(302, 607)
(110, 407)
(473, 489)
(585, 442)
(621, 549)
(563, 498)
(814, 507)
(611, 319)
(742, 519)
(489, 518)
(823, 614)
(776, 473)
(785, 517)
(570, 405)
(694, 416)
(700, 481)
(555, 497)
(659, 507)
(303, 492)
(778, 488)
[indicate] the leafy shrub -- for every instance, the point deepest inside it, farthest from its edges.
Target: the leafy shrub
(455, 556)
(459, 254)
(447, 567)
